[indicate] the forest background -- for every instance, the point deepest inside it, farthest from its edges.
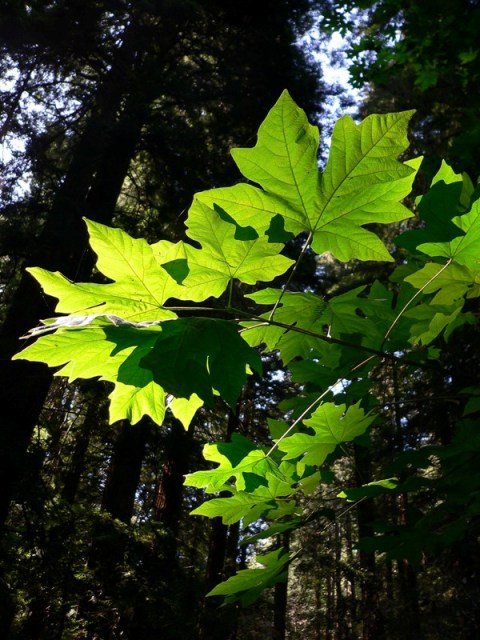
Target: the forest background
(124, 111)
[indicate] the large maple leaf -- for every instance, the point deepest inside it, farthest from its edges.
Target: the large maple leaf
(140, 285)
(363, 182)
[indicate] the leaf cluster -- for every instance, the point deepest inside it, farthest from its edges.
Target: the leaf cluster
(165, 332)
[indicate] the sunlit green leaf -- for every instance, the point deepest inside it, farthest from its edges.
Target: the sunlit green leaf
(332, 425)
(140, 286)
(247, 585)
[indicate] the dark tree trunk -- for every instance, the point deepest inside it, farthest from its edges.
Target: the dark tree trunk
(408, 591)
(91, 188)
(178, 447)
(407, 582)
(108, 544)
(351, 601)
(280, 602)
(94, 415)
(125, 467)
(371, 614)
(109, 541)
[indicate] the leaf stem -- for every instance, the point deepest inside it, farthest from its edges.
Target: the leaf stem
(301, 417)
(345, 343)
(405, 307)
(292, 273)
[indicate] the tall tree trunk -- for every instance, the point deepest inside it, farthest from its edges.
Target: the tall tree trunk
(215, 570)
(280, 601)
(91, 188)
(373, 623)
(109, 542)
(407, 582)
(76, 467)
(125, 467)
(340, 610)
(351, 601)
(178, 449)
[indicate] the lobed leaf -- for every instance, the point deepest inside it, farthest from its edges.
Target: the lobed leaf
(284, 162)
(108, 353)
(200, 356)
(362, 183)
(332, 425)
(140, 289)
(247, 585)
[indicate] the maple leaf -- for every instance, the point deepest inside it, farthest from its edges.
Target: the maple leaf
(249, 506)
(241, 506)
(448, 195)
(284, 162)
(460, 274)
(228, 252)
(465, 248)
(432, 319)
(332, 425)
(247, 205)
(89, 353)
(362, 183)
(234, 459)
(301, 310)
(225, 256)
(140, 289)
(112, 353)
(200, 355)
(248, 584)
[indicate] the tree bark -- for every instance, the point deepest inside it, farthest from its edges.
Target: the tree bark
(91, 187)
(279, 629)
(125, 467)
(371, 614)
(178, 447)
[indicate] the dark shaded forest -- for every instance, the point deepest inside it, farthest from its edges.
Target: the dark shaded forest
(120, 111)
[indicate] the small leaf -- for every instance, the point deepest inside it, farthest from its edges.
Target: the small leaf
(301, 310)
(272, 530)
(224, 257)
(236, 459)
(449, 192)
(431, 321)
(332, 425)
(247, 585)
(232, 509)
(370, 490)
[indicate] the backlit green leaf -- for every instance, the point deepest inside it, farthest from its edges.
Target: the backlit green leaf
(200, 355)
(247, 585)
(332, 425)
(284, 162)
(224, 257)
(109, 353)
(140, 289)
